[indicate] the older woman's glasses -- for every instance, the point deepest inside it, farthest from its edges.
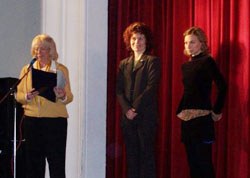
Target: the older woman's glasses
(41, 49)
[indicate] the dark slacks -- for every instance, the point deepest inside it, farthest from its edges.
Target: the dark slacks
(45, 139)
(139, 141)
(200, 160)
(198, 135)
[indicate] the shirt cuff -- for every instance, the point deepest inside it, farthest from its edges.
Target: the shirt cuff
(63, 100)
(26, 98)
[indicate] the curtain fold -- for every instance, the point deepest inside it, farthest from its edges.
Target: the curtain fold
(227, 25)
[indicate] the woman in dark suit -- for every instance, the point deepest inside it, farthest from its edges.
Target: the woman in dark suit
(137, 83)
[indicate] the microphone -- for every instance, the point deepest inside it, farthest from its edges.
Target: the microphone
(32, 62)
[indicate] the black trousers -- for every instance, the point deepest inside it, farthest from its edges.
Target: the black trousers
(45, 139)
(200, 160)
(139, 141)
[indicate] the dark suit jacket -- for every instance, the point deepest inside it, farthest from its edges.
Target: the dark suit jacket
(137, 88)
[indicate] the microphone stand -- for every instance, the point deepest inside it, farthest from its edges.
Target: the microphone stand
(12, 91)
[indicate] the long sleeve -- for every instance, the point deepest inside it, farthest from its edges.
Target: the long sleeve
(137, 88)
(198, 77)
(40, 106)
(221, 88)
(148, 95)
(120, 88)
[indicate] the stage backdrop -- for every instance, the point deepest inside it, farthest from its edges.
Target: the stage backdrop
(227, 25)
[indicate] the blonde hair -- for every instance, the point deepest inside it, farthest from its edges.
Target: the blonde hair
(44, 41)
(197, 31)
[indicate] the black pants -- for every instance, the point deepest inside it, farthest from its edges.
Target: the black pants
(45, 139)
(139, 141)
(200, 160)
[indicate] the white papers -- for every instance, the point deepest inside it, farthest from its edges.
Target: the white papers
(60, 79)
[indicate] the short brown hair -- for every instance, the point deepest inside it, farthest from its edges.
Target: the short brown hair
(138, 27)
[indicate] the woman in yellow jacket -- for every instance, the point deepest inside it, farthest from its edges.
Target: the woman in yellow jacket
(45, 112)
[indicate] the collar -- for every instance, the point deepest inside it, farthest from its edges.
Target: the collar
(197, 57)
(52, 67)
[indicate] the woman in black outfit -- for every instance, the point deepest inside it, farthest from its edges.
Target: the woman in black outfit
(195, 109)
(137, 84)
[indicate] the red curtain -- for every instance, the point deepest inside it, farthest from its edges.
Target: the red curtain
(227, 25)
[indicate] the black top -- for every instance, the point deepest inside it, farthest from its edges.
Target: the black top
(197, 76)
(136, 87)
